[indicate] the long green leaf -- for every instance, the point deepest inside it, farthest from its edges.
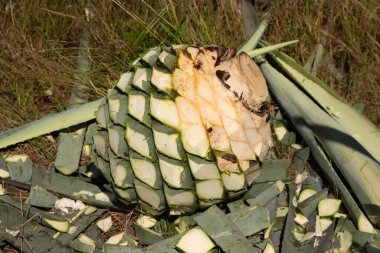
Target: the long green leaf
(324, 163)
(268, 49)
(356, 124)
(308, 136)
(254, 40)
(359, 169)
(50, 124)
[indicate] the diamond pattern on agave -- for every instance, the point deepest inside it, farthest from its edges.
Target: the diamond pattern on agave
(183, 128)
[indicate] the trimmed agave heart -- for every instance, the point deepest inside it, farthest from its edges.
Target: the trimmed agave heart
(183, 128)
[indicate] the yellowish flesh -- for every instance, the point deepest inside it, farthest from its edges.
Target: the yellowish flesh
(226, 107)
(113, 136)
(244, 165)
(4, 173)
(195, 141)
(209, 113)
(218, 138)
(61, 226)
(226, 165)
(305, 194)
(254, 137)
(193, 51)
(203, 86)
(104, 224)
(185, 63)
(269, 249)
(213, 116)
(234, 129)
(114, 106)
(187, 111)
(242, 150)
(183, 83)
(246, 117)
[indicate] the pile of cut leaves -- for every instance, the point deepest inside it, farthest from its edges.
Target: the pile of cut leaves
(313, 189)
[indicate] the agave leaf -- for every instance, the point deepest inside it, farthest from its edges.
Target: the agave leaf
(164, 246)
(33, 239)
(357, 125)
(272, 170)
(39, 197)
(80, 224)
(289, 243)
(223, 231)
(272, 208)
(281, 132)
(110, 248)
(83, 244)
(270, 48)
(69, 149)
(309, 63)
(146, 235)
(294, 102)
(300, 158)
(257, 35)
(266, 195)
(74, 188)
(236, 205)
(309, 205)
(250, 220)
(20, 168)
(50, 124)
(359, 107)
(318, 56)
(31, 212)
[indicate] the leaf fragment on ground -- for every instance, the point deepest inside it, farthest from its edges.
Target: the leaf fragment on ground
(223, 231)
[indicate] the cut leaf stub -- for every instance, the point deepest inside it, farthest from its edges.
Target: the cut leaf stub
(189, 131)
